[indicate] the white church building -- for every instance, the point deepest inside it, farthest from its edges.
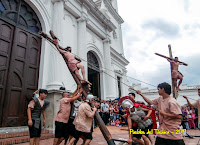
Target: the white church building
(93, 29)
(28, 62)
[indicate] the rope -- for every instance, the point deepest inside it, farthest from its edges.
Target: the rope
(107, 68)
(112, 71)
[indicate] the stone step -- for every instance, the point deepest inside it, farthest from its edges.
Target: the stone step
(13, 129)
(22, 139)
(18, 134)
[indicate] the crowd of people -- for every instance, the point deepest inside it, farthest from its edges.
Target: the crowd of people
(76, 114)
(112, 113)
(190, 117)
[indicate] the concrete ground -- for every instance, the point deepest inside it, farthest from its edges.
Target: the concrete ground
(119, 133)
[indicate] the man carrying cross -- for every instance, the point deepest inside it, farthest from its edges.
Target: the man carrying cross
(175, 73)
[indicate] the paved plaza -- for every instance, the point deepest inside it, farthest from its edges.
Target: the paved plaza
(121, 133)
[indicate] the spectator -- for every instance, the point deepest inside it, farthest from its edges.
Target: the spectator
(111, 115)
(116, 112)
(117, 123)
(191, 117)
(196, 117)
(105, 111)
(112, 122)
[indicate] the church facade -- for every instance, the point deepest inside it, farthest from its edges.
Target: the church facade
(27, 62)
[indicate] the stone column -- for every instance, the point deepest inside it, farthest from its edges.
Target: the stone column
(125, 81)
(109, 81)
(81, 37)
(51, 112)
(54, 82)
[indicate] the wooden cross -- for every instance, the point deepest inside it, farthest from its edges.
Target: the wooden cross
(85, 88)
(175, 95)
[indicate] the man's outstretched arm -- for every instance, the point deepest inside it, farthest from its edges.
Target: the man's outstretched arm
(191, 105)
(77, 96)
(169, 60)
(55, 41)
(145, 98)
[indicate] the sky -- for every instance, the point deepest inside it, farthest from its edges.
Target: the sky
(149, 26)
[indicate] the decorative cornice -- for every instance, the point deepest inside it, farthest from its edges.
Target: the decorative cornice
(94, 10)
(112, 10)
(107, 40)
(82, 19)
(119, 57)
(118, 72)
(54, 1)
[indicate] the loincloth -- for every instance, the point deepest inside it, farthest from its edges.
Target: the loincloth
(73, 64)
(176, 74)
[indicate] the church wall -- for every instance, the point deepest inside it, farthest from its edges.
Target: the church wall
(53, 70)
(96, 26)
(43, 10)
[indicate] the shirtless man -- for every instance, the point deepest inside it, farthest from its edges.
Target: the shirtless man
(175, 73)
(73, 62)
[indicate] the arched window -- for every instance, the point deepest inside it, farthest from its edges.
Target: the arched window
(94, 74)
(20, 14)
(92, 61)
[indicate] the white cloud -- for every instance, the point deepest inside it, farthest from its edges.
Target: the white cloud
(150, 26)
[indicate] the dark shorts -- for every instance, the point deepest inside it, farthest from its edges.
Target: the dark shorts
(34, 132)
(85, 135)
(61, 129)
(138, 136)
(72, 129)
(162, 141)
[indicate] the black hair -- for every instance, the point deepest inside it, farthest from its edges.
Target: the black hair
(198, 89)
(64, 93)
(67, 48)
(97, 101)
(43, 91)
(166, 86)
(132, 94)
(176, 57)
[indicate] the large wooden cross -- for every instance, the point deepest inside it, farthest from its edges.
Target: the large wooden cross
(175, 94)
(98, 118)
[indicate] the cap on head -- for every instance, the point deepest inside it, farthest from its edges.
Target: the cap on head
(90, 97)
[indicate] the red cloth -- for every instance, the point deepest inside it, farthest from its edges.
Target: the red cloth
(115, 111)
